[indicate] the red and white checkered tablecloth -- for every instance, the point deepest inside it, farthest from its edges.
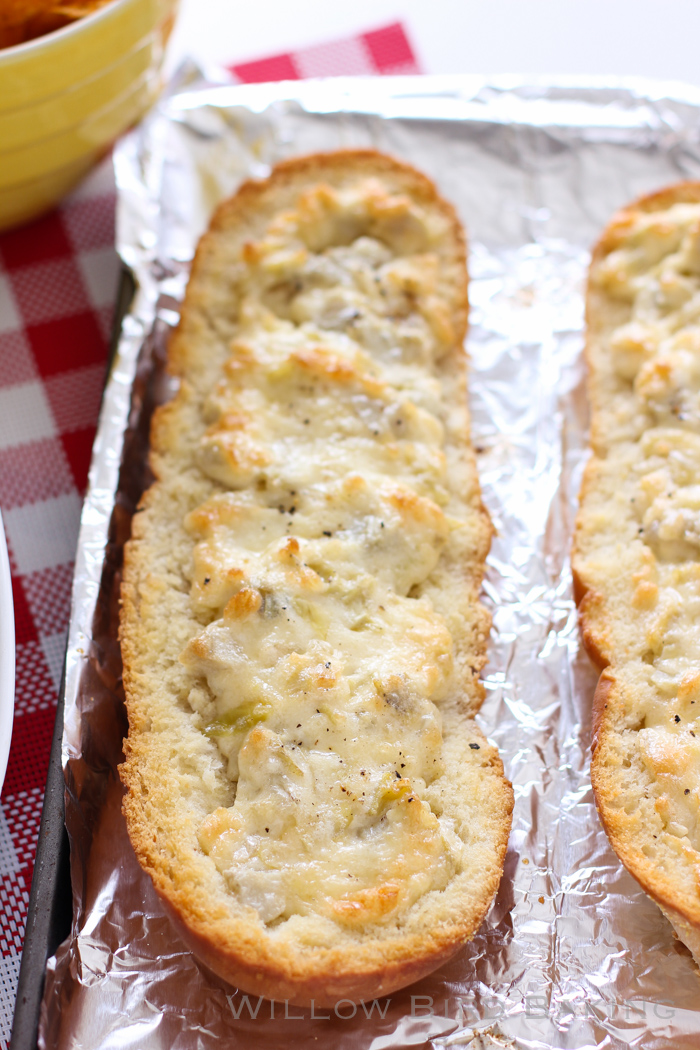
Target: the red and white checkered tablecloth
(58, 279)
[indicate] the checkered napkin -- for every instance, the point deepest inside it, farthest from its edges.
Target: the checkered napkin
(58, 280)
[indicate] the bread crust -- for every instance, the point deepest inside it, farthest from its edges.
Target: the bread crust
(631, 805)
(374, 970)
(163, 807)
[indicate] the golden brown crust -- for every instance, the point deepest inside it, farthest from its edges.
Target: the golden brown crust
(681, 193)
(630, 802)
(169, 792)
(626, 830)
(600, 706)
(372, 979)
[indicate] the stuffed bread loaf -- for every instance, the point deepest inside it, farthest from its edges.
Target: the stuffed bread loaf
(301, 630)
(637, 546)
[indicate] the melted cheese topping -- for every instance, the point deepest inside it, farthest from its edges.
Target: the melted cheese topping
(319, 664)
(652, 445)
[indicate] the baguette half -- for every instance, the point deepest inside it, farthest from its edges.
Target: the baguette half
(301, 630)
(636, 554)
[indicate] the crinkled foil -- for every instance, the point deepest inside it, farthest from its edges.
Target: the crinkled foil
(572, 954)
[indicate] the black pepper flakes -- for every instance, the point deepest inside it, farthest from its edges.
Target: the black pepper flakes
(475, 747)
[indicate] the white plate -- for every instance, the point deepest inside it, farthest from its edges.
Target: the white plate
(7, 656)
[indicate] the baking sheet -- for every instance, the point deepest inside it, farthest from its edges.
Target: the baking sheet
(7, 655)
(572, 954)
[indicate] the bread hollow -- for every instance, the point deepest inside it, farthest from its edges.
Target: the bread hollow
(301, 630)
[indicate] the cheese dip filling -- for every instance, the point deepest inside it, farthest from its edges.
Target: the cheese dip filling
(320, 664)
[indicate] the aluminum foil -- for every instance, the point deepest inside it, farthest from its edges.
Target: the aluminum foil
(572, 954)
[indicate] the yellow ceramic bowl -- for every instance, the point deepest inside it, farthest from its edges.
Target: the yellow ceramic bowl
(65, 97)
